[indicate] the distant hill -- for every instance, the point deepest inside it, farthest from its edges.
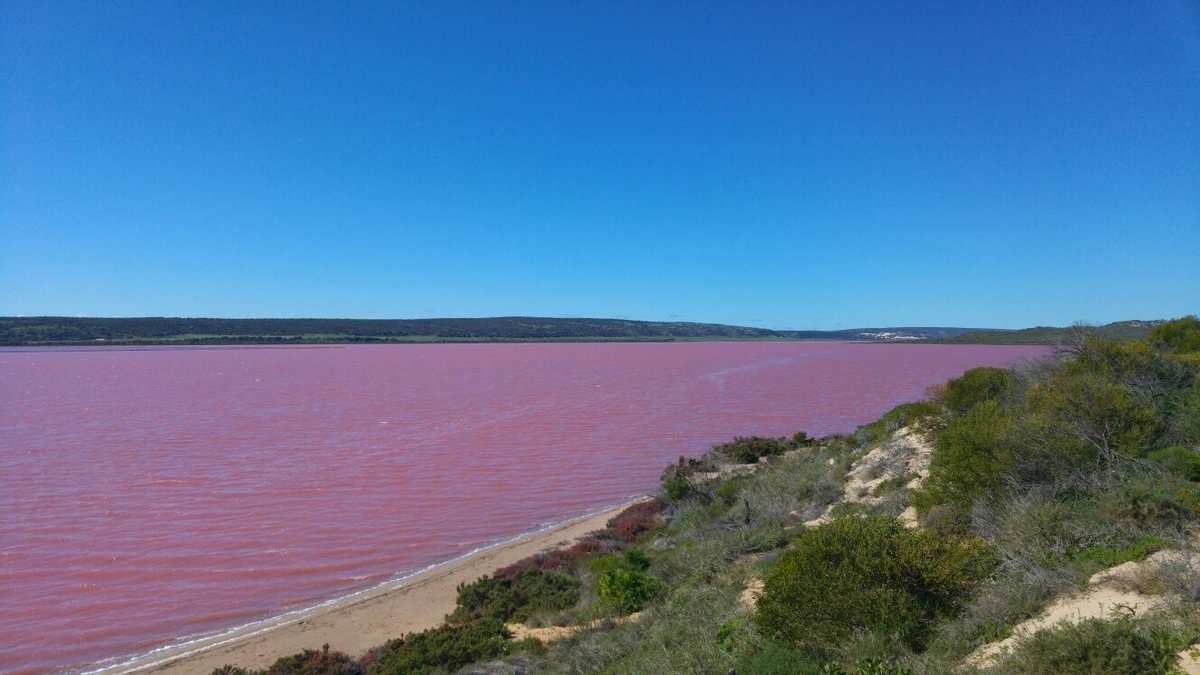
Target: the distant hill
(50, 330)
(1047, 335)
(894, 334)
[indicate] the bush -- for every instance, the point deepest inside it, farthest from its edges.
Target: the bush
(624, 590)
(1096, 647)
(727, 492)
(313, 662)
(776, 659)
(1180, 335)
(446, 648)
(515, 598)
(970, 458)
(750, 450)
(975, 386)
(633, 559)
(624, 586)
(676, 487)
(1109, 556)
(308, 662)
(677, 481)
(1163, 504)
(867, 573)
(1177, 460)
(1083, 414)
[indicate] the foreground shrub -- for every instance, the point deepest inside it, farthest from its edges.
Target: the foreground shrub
(867, 573)
(442, 649)
(515, 598)
(1097, 647)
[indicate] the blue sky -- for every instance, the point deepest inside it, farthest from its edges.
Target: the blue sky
(788, 165)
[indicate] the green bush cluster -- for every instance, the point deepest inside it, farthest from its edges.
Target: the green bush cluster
(1178, 460)
(748, 450)
(678, 479)
(867, 574)
(308, 662)
(515, 598)
(442, 649)
(976, 386)
(1180, 335)
(1097, 647)
(623, 585)
(1092, 416)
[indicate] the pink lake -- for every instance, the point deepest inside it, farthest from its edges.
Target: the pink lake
(151, 495)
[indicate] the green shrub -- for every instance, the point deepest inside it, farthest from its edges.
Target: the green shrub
(677, 481)
(1180, 335)
(777, 659)
(749, 450)
(632, 559)
(1108, 556)
(1164, 504)
(970, 458)
(975, 386)
(308, 662)
(1183, 422)
(727, 492)
(676, 487)
(1181, 461)
(516, 597)
(1096, 647)
(443, 649)
(625, 590)
(623, 585)
(867, 573)
(1085, 415)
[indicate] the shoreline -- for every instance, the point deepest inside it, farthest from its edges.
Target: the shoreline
(356, 622)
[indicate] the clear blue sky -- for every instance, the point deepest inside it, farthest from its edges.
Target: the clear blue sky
(788, 165)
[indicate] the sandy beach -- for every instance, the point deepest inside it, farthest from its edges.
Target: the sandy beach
(358, 623)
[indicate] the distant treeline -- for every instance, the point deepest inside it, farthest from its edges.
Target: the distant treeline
(1046, 335)
(60, 330)
(48, 330)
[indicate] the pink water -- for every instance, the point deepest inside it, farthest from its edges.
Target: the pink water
(156, 494)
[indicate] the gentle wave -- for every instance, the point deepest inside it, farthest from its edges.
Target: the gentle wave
(145, 661)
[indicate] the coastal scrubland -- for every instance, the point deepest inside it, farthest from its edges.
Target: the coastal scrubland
(1040, 519)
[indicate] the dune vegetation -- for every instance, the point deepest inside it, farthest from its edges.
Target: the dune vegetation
(1040, 519)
